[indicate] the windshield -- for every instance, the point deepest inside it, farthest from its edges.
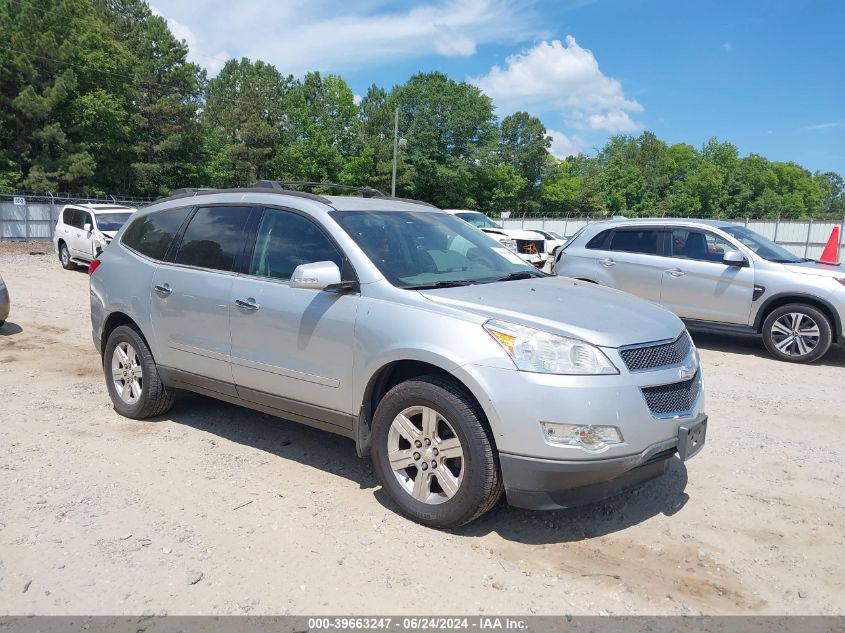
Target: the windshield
(111, 221)
(424, 249)
(478, 219)
(764, 247)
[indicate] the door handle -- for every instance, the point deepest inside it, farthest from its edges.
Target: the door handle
(607, 262)
(163, 289)
(676, 272)
(247, 304)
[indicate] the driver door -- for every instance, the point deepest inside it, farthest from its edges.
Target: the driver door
(292, 346)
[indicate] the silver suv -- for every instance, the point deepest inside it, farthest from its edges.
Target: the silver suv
(716, 275)
(458, 367)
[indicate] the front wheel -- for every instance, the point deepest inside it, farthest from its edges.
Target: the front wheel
(432, 453)
(64, 258)
(132, 377)
(797, 333)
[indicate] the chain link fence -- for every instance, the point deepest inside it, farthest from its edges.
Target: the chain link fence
(32, 216)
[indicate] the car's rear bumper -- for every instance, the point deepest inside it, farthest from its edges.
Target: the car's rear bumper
(544, 484)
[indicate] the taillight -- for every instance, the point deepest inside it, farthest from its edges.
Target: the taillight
(94, 265)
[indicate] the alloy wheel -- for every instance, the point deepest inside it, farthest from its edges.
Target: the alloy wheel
(795, 334)
(127, 373)
(425, 455)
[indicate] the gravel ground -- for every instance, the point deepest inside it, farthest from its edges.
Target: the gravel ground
(217, 509)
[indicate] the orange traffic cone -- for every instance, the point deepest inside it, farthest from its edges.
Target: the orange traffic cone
(830, 255)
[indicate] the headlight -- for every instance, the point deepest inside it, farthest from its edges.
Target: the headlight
(589, 437)
(545, 353)
(100, 238)
(509, 243)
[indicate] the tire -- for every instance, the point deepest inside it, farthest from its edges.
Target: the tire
(797, 333)
(64, 258)
(471, 484)
(147, 396)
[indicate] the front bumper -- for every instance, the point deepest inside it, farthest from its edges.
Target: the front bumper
(542, 484)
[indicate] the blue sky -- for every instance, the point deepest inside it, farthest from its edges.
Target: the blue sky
(766, 75)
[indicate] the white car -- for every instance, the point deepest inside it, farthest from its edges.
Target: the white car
(84, 230)
(529, 245)
(554, 241)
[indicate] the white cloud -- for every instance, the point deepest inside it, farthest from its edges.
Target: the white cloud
(332, 36)
(727, 46)
(562, 77)
(212, 62)
(826, 126)
(357, 99)
(563, 145)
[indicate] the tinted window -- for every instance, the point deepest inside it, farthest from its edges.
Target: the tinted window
(111, 221)
(644, 241)
(692, 244)
(152, 234)
(214, 238)
(597, 242)
(71, 218)
(286, 240)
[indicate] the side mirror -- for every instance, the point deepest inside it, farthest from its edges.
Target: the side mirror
(316, 276)
(734, 258)
(87, 228)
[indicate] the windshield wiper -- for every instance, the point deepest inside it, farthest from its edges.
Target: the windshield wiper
(522, 274)
(441, 284)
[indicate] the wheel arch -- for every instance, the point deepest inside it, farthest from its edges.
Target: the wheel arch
(114, 321)
(393, 372)
(777, 301)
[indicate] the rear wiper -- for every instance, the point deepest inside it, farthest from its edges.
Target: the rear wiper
(522, 274)
(440, 284)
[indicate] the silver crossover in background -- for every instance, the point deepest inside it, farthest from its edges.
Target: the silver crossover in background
(4, 302)
(716, 275)
(458, 367)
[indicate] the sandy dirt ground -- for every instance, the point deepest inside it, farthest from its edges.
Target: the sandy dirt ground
(217, 509)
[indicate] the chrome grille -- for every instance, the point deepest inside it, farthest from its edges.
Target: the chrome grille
(657, 356)
(673, 399)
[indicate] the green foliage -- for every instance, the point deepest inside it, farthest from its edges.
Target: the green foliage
(98, 96)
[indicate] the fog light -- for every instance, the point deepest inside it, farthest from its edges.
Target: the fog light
(588, 437)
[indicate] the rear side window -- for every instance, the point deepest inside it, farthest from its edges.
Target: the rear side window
(597, 243)
(633, 241)
(214, 238)
(71, 217)
(152, 234)
(286, 240)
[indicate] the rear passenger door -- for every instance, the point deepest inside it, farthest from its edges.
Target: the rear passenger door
(697, 285)
(292, 347)
(632, 259)
(189, 306)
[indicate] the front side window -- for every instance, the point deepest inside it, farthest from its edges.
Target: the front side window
(701, 245)
(213, 238)
(85, 218)
(286, 240)
(152, 234)
(426, 249)
(643, 241)
(762, 246)
(478, 220)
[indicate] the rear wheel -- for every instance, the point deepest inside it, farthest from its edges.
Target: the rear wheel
(433, 454)
(64, 257)
(797, 333)
(132, 378)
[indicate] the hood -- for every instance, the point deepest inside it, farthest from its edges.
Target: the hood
(517, 234)
(815, 268)
(596, 314)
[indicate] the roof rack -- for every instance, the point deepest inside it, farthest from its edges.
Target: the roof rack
(364, 192)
